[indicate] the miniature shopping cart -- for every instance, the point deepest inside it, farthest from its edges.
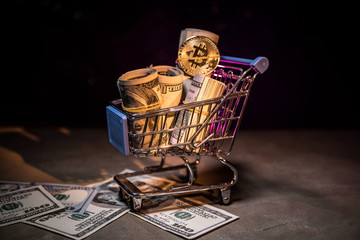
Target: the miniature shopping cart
(210, 130)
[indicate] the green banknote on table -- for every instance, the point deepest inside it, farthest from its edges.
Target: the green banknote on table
(26, 203)
(104, 209)
(181, 216)
(186, 218)
(79, 226)
(75, 198)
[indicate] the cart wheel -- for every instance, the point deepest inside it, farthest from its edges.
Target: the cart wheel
(134, 204)
(224, 196)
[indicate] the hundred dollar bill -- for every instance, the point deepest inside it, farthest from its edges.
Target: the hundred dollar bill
(201, 88)
(79, 226)
(171, 82)
(194, 88)
(108, 194)
(74, 198)
(26, 203)
(186, 218)
(105, 208)
(140, 90)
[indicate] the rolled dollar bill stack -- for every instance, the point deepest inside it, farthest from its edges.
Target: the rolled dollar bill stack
(203, 88)
(171, 85)
(140, 92)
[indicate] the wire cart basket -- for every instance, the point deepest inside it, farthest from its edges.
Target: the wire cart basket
(210, 130)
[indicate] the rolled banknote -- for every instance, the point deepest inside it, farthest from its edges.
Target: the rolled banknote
(144, 125)
(189, 32)
(171, 82)
(140, 90)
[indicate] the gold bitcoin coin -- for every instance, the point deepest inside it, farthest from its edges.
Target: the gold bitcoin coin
(198, 55)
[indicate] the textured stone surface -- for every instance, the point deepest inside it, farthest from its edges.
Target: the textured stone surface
(293, 184)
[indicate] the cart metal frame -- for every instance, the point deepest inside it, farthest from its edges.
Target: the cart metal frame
(212, 137)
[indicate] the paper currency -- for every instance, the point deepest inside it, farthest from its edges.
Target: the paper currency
(108, 194)
(201, 88)
(171, 81)
(78, 226)
(186, 218)
(171, 84)
(198, 55)
(186, 86)
(74, 198)
(190, 32)
(144, 125)
(194, 88)
(26, 203)
(140, 90)
(104, 209)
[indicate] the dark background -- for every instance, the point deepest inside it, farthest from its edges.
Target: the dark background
(63, 57)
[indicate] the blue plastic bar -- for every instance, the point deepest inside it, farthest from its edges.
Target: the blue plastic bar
(260, 63)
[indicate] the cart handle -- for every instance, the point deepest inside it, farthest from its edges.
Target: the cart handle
(260, 64)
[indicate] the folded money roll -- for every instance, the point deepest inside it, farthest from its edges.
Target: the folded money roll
(171, 85)
(140, 90)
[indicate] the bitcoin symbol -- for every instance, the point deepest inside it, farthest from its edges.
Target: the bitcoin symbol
(198, 55)
(200, 51)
